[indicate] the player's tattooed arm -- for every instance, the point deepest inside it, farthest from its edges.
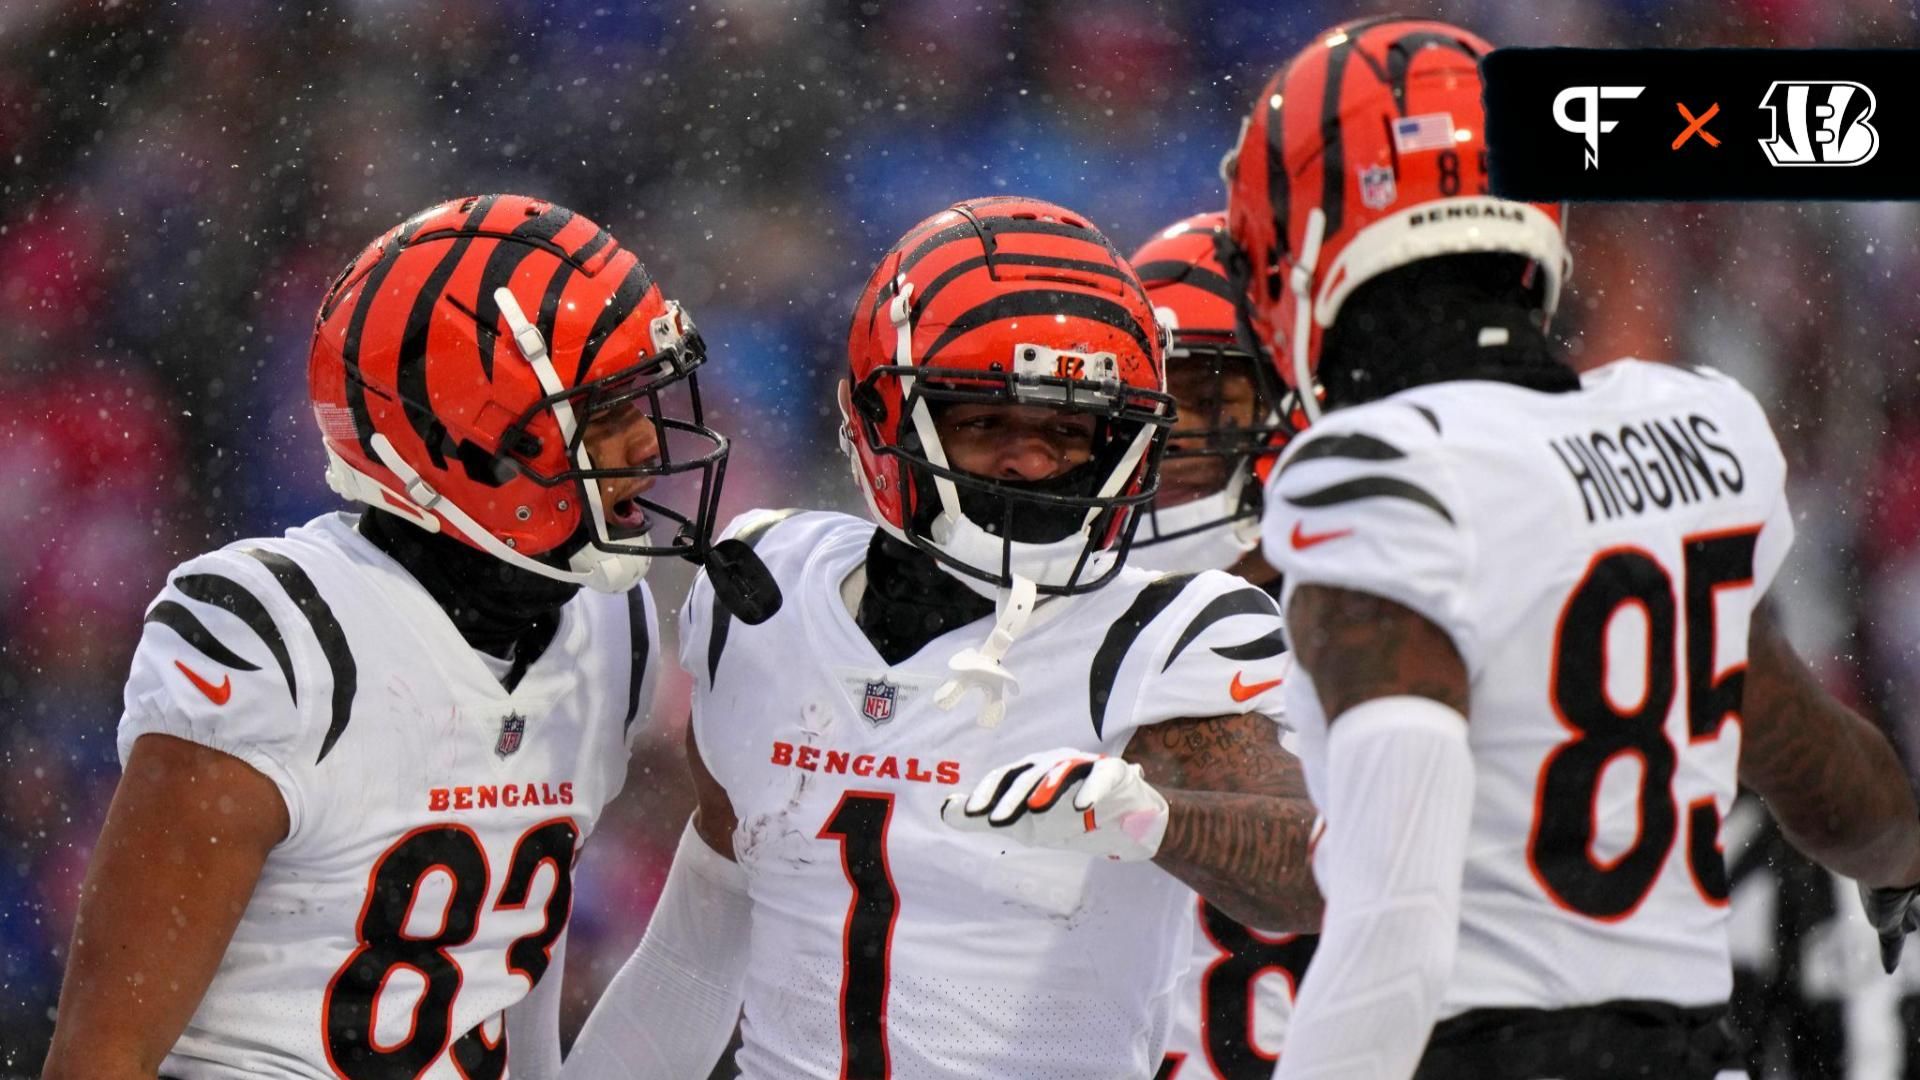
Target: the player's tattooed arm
(1239, 824)
(1829, 776)
(1359, 646)
(713, 816)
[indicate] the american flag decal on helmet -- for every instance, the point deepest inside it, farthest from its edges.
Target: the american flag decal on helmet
(1433, 131)
(512, 729)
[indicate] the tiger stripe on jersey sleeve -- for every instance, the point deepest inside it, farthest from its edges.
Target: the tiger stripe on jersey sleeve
(228, 595)
(1219, 650)
(1368, 500)
(175, 616)
(1247, 601)
(220, 664)
(1119, 640)
(1358, 446)
(1269, 644)
(327, 631)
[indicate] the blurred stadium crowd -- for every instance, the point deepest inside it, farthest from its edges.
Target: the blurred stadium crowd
(179, 181)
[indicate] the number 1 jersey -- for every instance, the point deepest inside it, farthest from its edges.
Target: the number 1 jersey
(425, 881)
(1595, 556)
(888, 944)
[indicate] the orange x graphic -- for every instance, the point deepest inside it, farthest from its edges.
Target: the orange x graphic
(1697, 125)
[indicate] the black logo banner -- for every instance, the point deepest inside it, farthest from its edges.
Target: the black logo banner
(1703, 124)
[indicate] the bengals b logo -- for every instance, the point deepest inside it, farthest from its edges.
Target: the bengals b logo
(1820, 123)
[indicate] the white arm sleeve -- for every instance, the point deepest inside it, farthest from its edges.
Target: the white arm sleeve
(533, 1023)
(670, 1011)
(1400, 801)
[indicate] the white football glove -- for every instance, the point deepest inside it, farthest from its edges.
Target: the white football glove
(1112, 810)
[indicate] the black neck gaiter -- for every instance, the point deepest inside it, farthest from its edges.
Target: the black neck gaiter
(1423, 323)
(499, 609)
(909, 600)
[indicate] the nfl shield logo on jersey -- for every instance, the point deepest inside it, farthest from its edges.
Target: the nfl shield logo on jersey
(1377, 188)
(878, 705)
(511, 729)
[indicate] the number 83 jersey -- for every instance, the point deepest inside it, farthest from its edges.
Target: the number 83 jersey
(425, 881)
(1595, 556)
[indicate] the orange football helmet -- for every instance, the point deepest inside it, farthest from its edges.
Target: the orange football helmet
(1018, 301)
(1367, 152)
(1182, 268)
(459, 362)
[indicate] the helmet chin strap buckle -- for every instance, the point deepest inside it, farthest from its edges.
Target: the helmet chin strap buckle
(416, 486)
(981, 668)
(941, 528)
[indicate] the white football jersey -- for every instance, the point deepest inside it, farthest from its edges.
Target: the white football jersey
(886, 943)
(1234, 1001)
(426, 878)
(1595, 556)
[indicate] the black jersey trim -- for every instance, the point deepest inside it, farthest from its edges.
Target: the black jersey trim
(1427, 415)
(1120, 638)
(723, 618)
(1371, 487)
(639, 643)
(1248, 601)
(1261, 648)
(1357, 446)
(229, 595)
(177, 618)
(327, 630)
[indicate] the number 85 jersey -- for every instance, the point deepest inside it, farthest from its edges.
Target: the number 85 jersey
(1595, 556)
(425, 881)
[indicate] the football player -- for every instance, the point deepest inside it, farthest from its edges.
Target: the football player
(1232, 1007)
(361, 758)
(953, 798)
(1530, 607)
(1207, 513)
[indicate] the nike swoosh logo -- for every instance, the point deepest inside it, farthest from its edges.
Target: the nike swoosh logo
(1302, 540)
(1242, 692)
(216, 694)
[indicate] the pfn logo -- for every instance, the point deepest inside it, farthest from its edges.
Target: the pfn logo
(1826, 124)
(1589, 125)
